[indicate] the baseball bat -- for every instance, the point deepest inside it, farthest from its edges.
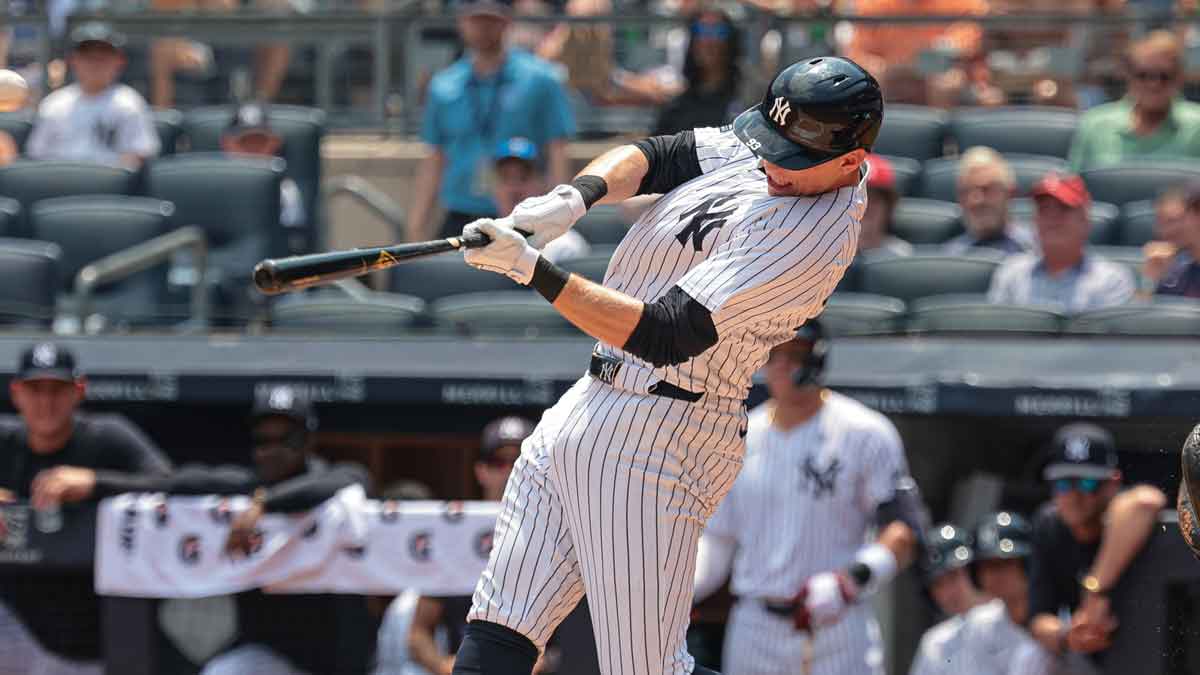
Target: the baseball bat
(281, 275)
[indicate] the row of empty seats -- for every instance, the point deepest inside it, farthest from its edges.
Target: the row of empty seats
(923, 133)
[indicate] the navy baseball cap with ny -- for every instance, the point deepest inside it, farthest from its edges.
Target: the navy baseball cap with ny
(504, 432)
(48, 361)
(285, 401)
(1081, 450)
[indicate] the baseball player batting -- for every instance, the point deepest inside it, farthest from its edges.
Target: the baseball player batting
(821, 470)
(756, 226)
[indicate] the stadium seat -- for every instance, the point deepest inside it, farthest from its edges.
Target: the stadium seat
(602, 225)
(301, 128)
(1136, 225)
(1030, 130)
(1159, 318)
(169, 125)
(974, 314)
(852, 278)
(908, 173)
(939, 180)
(1135, 181)
(10, 217)
(924, 275)
(28, 280)
(591, 267)
(444, 275)
(862, 314)
(28, 181)
(1104, 218)
(912, 131)
(519, 313)
(17, 124)
(1129, 256)
(926, 221)
(89, 227)
(323, 312)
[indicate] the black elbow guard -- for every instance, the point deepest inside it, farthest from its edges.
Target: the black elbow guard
(672, 330)
(906, 506)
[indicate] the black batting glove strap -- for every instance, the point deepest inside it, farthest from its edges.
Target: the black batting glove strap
(859, 573)
(591, 188)
(548, 279)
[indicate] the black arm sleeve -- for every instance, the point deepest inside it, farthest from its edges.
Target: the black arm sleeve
(309, 490)
(1042, 597)
(189, 480)
(672, 160)
(134, 450)
(672, 330)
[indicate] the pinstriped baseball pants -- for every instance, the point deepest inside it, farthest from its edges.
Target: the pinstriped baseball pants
(21, 654)
(760, 643)
(609, 497)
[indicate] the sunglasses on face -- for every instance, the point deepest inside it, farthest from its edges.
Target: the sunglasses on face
(1159, 76)
(1085, 485)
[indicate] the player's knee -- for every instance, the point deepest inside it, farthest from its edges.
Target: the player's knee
(701, 670)
(491, 649)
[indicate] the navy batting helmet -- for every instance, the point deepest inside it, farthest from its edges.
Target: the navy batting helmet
(1003, 535)
(812, 332)
(948, 547)
(814, 111)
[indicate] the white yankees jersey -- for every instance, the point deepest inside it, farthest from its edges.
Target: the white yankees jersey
(101, 128)
(983, 641)
(614, 485)
(761, 264)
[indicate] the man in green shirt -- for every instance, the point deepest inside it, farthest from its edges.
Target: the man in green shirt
(1152, 121)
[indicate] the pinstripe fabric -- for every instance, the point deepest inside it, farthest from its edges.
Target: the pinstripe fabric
(758, 643)
(983, 641)
(20, 653)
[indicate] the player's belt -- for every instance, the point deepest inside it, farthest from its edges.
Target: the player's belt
(606, 368)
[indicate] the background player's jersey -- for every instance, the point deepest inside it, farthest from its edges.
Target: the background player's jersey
(805, 497)
(984, 641)
(762, 265)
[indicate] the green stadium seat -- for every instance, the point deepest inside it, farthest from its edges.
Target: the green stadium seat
(912, 131)
(1158, 319)
(28, 280)
(1137, 223)
(1135, 181)
(602, 225)
(1105, 218)
(89, 227)
(520, 313)
(974, 314)
(169, 125)
(29, 181)
(591, 267)
(925, 274)
(1030, 130)
(852, 278)
(939, 180)
(926, 221)
(1129, 256)
(862, 314)
(444, 275)
(337, 313)
(908, 173)
(18, 124)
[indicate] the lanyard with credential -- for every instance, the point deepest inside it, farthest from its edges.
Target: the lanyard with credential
(486, 123)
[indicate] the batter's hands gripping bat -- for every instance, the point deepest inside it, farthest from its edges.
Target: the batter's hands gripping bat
(282, 275)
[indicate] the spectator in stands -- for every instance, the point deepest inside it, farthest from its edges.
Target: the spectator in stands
(1170, 267)
(986, 183)
(250, 133)
(517, 178)
(1083, 541)
(712, 95)
(945, 567)
(287, 478)
(1064, 275)
(882, 196)
(169, 55)
(1152, 121)
(491, 94)
(96, 119)
(50, 621)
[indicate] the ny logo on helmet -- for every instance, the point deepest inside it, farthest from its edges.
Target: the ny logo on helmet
(780, 110)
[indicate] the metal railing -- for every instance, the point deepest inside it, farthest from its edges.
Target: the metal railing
(363, 193)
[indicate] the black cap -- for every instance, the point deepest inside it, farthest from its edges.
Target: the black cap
(1081, 450)
(249, 117)
(498, 8)
(504, 432)
(948, 547)
(284, 401)
(1003, 535)
(47, 361)
(96, 31)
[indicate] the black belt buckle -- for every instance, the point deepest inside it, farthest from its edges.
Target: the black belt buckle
(604, 368)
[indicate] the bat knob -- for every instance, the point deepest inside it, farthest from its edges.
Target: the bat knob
(266, 277)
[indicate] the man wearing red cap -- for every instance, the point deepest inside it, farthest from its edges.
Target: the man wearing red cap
(1064, 275)
(882, 196)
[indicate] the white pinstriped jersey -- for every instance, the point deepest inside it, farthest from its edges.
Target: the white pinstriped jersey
(762, 265)
(806, 497)
(984, 641)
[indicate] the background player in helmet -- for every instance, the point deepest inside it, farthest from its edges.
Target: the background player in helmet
(755, 228)
(945, 567)
(820, 471)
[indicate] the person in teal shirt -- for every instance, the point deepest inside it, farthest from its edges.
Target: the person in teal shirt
(1152, 121)
(490, 94)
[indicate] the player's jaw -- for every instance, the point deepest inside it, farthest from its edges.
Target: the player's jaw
(838, 172)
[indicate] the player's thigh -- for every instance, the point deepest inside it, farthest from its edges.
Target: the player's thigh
(50, 664)
(252, 658)
(19, 651)
(759, 643)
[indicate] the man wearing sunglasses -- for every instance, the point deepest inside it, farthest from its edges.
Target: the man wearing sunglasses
(1152, 121)
(1083, 541)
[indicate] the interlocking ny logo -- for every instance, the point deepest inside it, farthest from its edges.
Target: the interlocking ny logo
(702, 221)
(780, 111)
(608, 371)
(820, 482)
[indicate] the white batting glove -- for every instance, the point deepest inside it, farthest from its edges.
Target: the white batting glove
(508, 253)
(824, 599)
(548, 217)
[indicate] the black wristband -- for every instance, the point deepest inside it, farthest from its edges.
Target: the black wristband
(548, 279)
(592, 188)
(860, 573)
